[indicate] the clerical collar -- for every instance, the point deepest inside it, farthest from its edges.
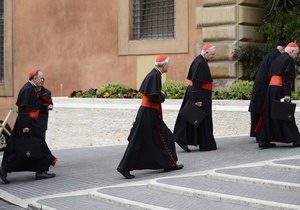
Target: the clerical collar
(159, 71)
(32, 83)
(204, 58)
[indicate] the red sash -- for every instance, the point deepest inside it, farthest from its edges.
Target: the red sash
(276, 80)
(205, 85)
(34, 114)
(147, 103)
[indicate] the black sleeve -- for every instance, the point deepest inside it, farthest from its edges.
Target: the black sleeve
(197, 91)
(44, 108)
(23, 115)
(157, 98)
(286, 84)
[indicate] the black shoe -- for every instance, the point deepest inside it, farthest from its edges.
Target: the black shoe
(206, 149)
(3, 175)
(266, 145)
(296, 144)
(173, 168)
(43, 175)
(183, 146)
(126, 174)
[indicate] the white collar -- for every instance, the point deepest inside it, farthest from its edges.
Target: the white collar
(158, 70)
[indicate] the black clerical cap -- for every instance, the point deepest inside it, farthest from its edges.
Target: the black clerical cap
(282, 43)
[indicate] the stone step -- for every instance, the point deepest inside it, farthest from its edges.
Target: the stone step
(260, 176)
(252, 186)
(285, 165)
(143, 197)
(229, 192)
(72, 203)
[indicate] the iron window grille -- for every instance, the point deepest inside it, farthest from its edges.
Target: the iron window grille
(153, 19)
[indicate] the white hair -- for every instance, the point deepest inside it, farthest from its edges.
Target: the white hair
(208, 50)
(160, 64)
(288, 49)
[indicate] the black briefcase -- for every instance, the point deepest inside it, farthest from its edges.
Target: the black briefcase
(28, 148)
(283, 111)
(193, 114)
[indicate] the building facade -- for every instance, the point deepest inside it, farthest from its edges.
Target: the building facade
(83, 44)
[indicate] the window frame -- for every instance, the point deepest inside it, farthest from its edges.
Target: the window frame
(6, 88)
(128, 46)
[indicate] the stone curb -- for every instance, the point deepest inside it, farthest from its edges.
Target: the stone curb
(256, 203)
(154, 184)
(37, 206)
(282, 167)
(13, 199)
(124, 202)
(254, 181)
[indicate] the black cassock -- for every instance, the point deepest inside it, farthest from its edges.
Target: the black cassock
(185, 133)
(259, 89)
(46, 100)
(28, 102)
(273, 129)
(150, 142)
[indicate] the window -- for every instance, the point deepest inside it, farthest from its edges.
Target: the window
(145, 30)
(153, 19)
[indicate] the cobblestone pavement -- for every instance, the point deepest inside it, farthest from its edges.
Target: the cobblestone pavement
(8, 206)
(236, 176)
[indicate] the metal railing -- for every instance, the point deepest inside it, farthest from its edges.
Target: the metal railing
(12, 114)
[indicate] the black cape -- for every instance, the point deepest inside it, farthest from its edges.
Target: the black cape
(28, 99)
(150, 142)
(259, 89)
(273, 129)
(46, 100)
(186, 133)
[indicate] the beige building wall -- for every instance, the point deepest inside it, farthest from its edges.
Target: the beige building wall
(83, 44)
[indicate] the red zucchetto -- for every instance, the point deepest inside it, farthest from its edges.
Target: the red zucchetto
(32, 73)
(292, 44)
(161, 59)
(207, 47)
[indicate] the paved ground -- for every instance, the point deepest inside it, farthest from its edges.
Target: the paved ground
(87, 179)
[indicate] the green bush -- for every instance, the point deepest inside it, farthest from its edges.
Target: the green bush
(284, 24)
(174, 89)
(107, 91)
(91, 93)
(112, 90)
(250, 55)
(296, 94)
(241, 90)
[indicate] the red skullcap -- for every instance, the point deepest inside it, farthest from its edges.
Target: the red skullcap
(32, 73)
(161, 59)
(207, 46)
(292, 44)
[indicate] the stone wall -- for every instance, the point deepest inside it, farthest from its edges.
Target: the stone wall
(227, 23)
(92, 122)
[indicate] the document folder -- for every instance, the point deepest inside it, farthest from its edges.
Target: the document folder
(283, 111)
(193, 114)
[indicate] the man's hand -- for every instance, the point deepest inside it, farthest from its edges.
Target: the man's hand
(25, 130)
(287, 98)
(50, 107)
(199, 104)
